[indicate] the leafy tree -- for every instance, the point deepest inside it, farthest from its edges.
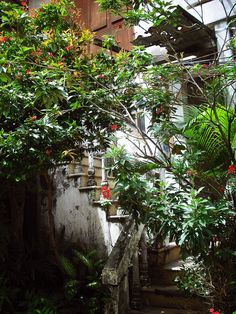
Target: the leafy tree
(193, 146)
(47, 84)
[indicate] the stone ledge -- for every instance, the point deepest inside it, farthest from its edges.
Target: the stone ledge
(118, 218)
(76, 175)
(100, 202)
(90, 187)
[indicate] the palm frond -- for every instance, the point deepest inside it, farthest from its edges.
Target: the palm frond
(211, 129)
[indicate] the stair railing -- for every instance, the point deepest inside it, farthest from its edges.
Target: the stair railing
(116, 273)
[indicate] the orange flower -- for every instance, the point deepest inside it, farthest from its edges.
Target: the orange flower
(23, 3)
(28, 72)
(101, 76)
(189, 172)
(61, 64)
(38, 52)
(33, 118)
(68, 48)
(3, 39)
(119, 26)
(19, 77)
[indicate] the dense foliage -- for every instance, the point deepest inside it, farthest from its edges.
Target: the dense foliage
(55, 97)
(47, 79)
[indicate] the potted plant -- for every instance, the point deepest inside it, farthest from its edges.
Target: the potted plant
(70, 156)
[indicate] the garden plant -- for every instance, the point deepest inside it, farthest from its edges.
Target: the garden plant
(46, 82)
(180, 180)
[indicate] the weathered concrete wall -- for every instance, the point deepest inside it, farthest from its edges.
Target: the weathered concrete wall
(81, 221)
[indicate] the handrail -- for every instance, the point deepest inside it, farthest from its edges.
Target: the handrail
(116, 269)
(119, 260)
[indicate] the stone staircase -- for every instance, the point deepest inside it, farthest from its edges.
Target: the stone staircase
(79, 214)
(80, 173)
(162, 296)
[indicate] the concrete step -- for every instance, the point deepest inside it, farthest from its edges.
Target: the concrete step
(166, 274)
(164, 255)
(171, 296)
(162, 310)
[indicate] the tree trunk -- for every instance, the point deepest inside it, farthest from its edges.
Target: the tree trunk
(51, 222)
(17, 203)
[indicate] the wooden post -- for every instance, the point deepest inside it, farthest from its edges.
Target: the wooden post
(136, 301)
(112, 307)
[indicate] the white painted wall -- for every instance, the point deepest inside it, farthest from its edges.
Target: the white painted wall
(83, 223)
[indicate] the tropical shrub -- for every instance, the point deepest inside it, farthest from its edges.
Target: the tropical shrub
(83, 285)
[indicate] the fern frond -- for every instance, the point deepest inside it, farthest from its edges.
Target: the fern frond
(93, 285)
(83, 259)
(68, 267)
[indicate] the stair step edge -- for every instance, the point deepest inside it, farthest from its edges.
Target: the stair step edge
(175, 265)
(155, 310)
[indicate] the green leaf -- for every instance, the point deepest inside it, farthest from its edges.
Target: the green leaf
(68, 267)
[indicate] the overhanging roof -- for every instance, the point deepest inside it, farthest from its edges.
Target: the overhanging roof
(188, 36)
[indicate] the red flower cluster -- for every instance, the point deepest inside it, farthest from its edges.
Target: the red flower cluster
(70, 47)
(119, 26)
(3, 39)
(48, 151)
(106, 192)
(212, 311)
(101, 76)
(114, 127)
(231, 169)
(159, 110)
(221, 189)
(23, 3)
(38, 52)
(34, 118)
